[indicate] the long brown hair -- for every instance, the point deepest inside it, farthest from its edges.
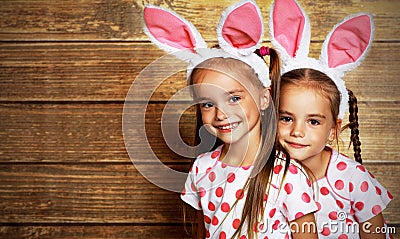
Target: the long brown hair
(257, 184)
(353, 125)
(319, 81)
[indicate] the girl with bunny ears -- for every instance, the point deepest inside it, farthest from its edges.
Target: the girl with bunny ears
(241, 188)
(313, 103)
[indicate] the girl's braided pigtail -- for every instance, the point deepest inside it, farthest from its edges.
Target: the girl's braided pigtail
(353, 125)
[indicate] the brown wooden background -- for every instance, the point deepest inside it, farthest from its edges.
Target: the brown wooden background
(65, 69)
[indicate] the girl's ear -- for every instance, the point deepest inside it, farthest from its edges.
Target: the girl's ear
(334, 134)
(265, 99)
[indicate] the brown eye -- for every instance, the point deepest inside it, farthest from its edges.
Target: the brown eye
(285, 119)
(314, 122)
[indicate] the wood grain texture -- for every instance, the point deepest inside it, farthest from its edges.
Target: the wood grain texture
(65, 70)
(81, 193)
(94, 231)
(121, 20)
(93, 133)
(105, 72)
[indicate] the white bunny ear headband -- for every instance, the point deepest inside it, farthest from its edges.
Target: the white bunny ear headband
(343, 49)
(239, 32)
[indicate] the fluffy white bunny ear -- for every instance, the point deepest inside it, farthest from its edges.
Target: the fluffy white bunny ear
(171, 32)
(290, 29)
(240, 29)
(348, 43)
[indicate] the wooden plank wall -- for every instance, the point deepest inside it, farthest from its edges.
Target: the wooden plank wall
(65, 70)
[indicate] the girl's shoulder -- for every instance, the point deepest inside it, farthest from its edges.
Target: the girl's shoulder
(208, 159)
(341, 166)
(289, 171)
(350, 179)
(292, 166)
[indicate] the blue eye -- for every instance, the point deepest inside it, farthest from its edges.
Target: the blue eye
(207, 105)
(234, 99)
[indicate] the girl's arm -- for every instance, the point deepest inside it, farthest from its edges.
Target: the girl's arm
(304, 227)
(201, 230)
(369, 228)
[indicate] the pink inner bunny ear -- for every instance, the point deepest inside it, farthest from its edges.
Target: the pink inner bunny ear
(288, 25)
(243, 27)
(349, 41)
(168, 29)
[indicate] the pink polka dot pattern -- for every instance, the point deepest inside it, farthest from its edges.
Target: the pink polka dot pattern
(390, 196)
(341, 166)
(364, 186)
(239, 194)
(340, 204)
(333, 215)
(272, 212)
(225, 207)
(217, 189)
(212, 176)
(236, 223)
(378, 190)
(215, 154)
(211, 206)
(326, 231)
(359, 206)
(361, 168)
(350, 190)
(293, 169)
(376, 209)
(319, 205)
(202, 192)
(288, 188)
(339, 184)
(306, 198)
(343, 236)
(207, 219)
(215, 221)
(324, 191)
(231, 177)
(277, 169)
(275, 226)
(219, 192)
(299, 214)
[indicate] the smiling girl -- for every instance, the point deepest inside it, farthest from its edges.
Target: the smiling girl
(313, 103)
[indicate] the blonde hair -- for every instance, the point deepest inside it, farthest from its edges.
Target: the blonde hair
(257, 184)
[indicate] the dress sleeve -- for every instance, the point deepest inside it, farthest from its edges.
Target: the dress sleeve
(368, 197)
(190, 193)
(297, 196)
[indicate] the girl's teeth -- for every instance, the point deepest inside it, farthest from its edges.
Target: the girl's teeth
(229, 126)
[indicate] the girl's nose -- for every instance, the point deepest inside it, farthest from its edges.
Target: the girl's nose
(297, 130)
(220, 115)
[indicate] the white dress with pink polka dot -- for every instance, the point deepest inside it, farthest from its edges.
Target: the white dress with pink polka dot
(214, 187)
(347, 195)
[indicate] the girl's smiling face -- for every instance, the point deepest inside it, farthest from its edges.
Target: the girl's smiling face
(228, 109)
(305, 123)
